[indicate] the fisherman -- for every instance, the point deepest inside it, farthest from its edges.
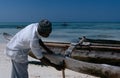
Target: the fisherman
(27, 39)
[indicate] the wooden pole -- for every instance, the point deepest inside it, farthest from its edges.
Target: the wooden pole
(63, 73)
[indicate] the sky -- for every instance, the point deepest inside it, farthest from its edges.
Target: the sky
(59, 10)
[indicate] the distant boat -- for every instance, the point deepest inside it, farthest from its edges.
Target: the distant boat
(20, 27)
(64, 24)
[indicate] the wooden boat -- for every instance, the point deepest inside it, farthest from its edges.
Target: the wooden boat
(98, 51)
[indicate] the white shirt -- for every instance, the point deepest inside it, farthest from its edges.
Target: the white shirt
(18, 47)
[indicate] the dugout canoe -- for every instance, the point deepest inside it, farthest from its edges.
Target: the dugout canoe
(98, 51)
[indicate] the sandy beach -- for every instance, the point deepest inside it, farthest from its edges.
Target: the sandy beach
(35, 71)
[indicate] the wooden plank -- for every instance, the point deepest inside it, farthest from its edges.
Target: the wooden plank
(103, 41)
(66, 45)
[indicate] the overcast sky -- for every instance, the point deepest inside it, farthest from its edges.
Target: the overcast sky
(59, 10)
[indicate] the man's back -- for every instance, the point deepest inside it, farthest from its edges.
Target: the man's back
(20, 44)
(22, 39)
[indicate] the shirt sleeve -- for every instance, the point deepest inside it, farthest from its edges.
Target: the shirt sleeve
(36, 49)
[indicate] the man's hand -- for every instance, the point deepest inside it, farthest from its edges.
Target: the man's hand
(50, 52)
(58, 67)
(45, 61)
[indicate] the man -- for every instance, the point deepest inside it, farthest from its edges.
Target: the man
(29, 38)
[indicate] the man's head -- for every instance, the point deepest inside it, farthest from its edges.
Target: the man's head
(44, 28)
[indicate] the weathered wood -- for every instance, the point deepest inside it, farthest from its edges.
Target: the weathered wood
(100, 70)
(93, 53)
(97, 57)
(92, 46)
(72, 46)
(102, 41)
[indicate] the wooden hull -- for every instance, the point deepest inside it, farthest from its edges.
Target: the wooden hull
(100, 70)
(99, 51)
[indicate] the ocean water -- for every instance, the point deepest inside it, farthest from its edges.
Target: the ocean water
(70, 31)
